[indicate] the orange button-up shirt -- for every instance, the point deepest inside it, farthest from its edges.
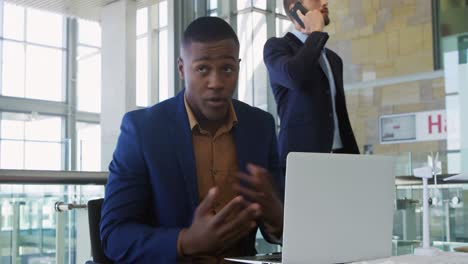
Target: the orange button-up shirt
(217, 164)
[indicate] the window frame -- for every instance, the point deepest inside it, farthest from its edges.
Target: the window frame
(64, 143)
(25, 44)
(66, 108)
(153, 61)
(98, 51)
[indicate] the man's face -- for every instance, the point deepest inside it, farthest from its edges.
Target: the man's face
(210, 71)
(321, 5)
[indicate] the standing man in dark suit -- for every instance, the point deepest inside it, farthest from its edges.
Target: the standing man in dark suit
(194, 176)
(307, 82)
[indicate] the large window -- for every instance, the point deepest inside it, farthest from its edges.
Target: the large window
(152, 53)
(33, 58)
(250, 18)
(142, 85)
(283, 23)
(212, 6)
(89, 66)
(36, 64)
(25, 138)
(253, 85)
(242, 4)
(88, 149)
(39, 63)
(163, 62)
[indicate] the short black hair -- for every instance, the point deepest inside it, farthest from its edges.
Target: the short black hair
(208, 29)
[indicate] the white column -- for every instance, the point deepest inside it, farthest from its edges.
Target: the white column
(15, 233)
(60, 237)
(464, 116)
(1, 47)
(153, 44)
(456, 79)
(118, 23)
(174, 36)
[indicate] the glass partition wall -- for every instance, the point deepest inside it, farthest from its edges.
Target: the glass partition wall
(405, 77)
(32, 229)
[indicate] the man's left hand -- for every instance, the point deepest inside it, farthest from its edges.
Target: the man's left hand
(259, 188)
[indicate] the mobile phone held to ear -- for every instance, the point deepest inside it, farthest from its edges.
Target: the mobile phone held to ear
(293, 13)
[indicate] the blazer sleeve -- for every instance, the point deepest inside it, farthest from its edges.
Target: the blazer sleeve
(127, 234)
(288, 69)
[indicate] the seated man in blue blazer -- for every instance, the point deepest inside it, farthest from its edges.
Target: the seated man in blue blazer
(194, 176)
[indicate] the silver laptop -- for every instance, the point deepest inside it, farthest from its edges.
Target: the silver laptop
(338, 209)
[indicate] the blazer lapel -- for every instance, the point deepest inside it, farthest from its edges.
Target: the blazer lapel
(185, 153)
(241, 138)
(337, 76)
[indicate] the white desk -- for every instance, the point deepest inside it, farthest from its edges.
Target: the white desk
(444, 258)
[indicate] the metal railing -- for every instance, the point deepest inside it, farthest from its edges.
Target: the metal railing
(60, 192)
(52, 177)
(36, 208)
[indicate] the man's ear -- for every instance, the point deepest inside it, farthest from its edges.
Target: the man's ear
(180, 67)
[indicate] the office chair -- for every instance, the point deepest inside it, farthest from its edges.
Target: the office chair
(94, 217)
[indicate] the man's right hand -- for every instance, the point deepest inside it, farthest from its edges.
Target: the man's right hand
(313, 21)
(211, 232)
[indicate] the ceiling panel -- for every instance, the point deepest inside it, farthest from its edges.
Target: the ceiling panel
(86, 9)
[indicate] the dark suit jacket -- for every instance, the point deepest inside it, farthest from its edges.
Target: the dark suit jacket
(302, 94)
(152, 188)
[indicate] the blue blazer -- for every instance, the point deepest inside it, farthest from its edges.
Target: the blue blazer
(152, 190)
(302, 94)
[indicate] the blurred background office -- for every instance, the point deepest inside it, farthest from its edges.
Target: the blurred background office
(70, 69)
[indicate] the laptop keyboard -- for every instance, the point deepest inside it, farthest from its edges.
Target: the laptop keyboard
(274, 257)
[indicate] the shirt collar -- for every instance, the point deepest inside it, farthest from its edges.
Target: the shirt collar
(193, 122)
(301, 36)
